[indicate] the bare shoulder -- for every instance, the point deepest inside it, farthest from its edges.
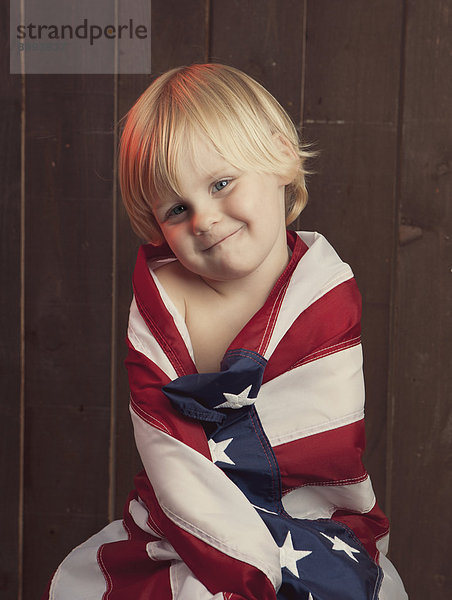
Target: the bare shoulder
(178, 283)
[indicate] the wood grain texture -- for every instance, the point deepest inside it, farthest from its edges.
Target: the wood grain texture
(351, 115)
(67, 314)
(10, 304)
(421, 456)
(264, 39)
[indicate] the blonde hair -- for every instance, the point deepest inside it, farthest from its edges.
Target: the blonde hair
(242, 120)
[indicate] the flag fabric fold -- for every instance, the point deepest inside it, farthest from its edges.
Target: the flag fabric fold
(253, 485)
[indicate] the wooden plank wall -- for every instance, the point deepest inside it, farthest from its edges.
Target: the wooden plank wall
(371, 83)
(10, 321)
(420, 457)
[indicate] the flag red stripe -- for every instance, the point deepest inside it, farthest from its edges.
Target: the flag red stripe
(155, 312)
(330, 457)
(151, 404)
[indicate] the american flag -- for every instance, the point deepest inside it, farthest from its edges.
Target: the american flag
(253, 486)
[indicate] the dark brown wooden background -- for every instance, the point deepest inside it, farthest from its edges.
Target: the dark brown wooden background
(371, 83)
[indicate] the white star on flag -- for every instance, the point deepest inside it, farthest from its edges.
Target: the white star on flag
(289, 556)
(237, 400)
(217, 450)
(339, 545)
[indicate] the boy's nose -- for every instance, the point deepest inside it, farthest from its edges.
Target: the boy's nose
(204, 220)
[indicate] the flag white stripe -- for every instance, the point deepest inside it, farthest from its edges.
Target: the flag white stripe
(383, 544)
(142, 340)
(140, 516)
(322, 501)
(315, 397)
(185, 586)
(391, 586)
(79, 575)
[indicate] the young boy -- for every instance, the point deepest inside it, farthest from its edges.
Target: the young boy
(244, 366)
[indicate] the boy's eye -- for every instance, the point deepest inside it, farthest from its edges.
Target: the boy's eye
(220, 185)
(177, 210)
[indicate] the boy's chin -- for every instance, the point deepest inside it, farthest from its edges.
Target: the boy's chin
(225, 273)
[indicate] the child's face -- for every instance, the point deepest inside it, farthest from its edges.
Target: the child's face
(228, 223)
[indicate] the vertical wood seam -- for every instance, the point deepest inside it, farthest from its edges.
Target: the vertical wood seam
(393, 314)
(208, 30)
(303, 62)
(114, 258)
(20, 508)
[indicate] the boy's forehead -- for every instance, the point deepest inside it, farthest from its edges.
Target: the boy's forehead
(201, 159)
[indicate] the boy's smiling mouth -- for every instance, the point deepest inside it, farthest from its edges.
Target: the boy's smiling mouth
(221, 240)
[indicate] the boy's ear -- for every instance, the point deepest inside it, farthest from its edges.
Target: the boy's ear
(287, 148)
